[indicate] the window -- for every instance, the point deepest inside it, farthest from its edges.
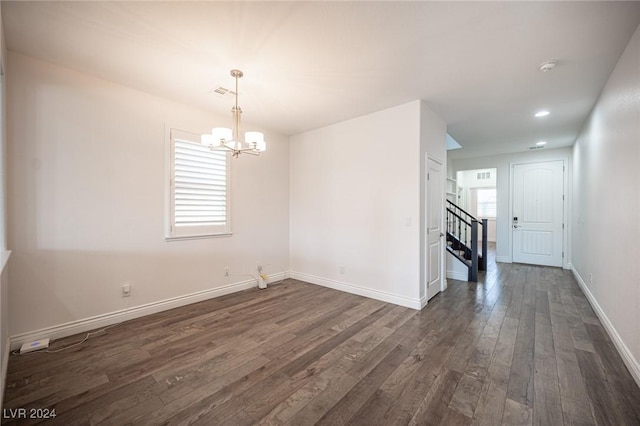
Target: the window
(483, 175)
(486, 207)
(198, 188)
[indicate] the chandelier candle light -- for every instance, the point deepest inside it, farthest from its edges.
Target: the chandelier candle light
(229, 139)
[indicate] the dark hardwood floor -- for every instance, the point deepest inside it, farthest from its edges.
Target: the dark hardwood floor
(521, 347)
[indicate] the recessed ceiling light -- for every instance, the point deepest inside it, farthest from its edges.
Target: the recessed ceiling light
(542, 113)
(541, 143)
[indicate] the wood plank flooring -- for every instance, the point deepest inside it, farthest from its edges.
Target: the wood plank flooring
(520, 347)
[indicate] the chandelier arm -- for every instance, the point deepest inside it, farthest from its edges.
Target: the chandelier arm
(235, 152)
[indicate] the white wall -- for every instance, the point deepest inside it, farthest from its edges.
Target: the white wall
(456, 269)
(503, 164)
(86, 190)
(355, 204)
(4, 254)
(606, 226)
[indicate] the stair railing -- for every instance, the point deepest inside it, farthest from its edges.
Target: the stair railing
(462, 232)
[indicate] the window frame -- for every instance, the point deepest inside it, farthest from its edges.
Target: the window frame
(173, 232)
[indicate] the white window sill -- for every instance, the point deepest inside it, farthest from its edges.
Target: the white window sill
(197, 237)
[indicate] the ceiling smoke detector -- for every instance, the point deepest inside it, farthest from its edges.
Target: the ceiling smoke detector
(548, 66)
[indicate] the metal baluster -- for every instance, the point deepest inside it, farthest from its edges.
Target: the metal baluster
(473, 271)
(466, 240)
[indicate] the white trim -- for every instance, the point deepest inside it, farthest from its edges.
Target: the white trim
(198, 236)
(503, 259)
(457, 275)
(5, 365)
(4, 260)
(628, 358)
(277, 277)
(99, 321)
(360, 291)
(423, 302)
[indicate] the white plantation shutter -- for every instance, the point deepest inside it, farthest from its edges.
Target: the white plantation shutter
(486, 203)
(199, 188)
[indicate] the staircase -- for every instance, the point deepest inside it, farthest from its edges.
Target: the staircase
(462, 239)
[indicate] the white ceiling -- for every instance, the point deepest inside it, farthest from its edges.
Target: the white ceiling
(310, 64)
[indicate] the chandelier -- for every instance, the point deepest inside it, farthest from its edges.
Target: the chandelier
(223, 138)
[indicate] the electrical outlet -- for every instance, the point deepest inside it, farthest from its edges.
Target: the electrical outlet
(259, 267)
(126, 290)
(590, 278)
(226, 271)
(341, 269)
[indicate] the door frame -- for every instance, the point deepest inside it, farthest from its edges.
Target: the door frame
(566, 264)
(425, 247)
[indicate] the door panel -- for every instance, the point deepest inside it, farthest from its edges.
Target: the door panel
(538, 211)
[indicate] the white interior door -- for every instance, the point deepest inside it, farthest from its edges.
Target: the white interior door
(434, 227)
(538, 211)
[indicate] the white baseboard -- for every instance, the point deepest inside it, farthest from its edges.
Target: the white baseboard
(360, 291)
(104, 320)
(628, 358)
(277, 277)
(423, 302)
(4, 259)
(458, 275)
(503, 259)
(5, 363)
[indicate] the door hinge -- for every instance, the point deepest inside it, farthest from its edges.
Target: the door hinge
(427, 176)
(563, 198)
(563, 255)
(563, 168)
(563, 226)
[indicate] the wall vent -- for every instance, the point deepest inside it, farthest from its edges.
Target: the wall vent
(536, 147)
(483, 175)
(222, 91)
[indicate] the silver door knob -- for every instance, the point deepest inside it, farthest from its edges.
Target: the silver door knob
(516, 226)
